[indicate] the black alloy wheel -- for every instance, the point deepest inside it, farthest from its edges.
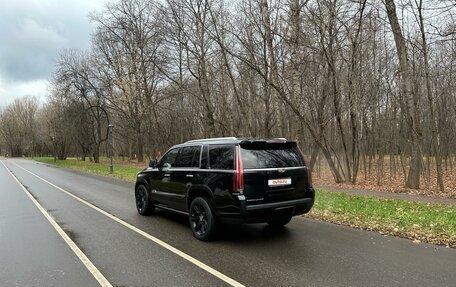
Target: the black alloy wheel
(202, 219)
(143, 203)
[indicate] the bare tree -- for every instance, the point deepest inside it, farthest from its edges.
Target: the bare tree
(18, 126)
(325, 73)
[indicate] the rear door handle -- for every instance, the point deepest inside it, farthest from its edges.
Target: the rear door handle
(189, 175)
(167, 174)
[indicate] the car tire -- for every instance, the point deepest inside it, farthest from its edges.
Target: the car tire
(202, 219)
(279, 221)
(143, 202)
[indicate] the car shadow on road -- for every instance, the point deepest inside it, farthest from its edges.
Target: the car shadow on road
(254, 233)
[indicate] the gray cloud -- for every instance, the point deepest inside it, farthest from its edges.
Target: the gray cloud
(32, 32)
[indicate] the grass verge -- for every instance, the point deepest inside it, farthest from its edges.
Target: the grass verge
(433, 223)
(122, 172)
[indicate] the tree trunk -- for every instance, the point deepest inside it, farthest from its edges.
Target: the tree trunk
(409, 96)
(434, 130)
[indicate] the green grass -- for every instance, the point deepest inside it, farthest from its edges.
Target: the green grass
(122, 172)
(433, 223)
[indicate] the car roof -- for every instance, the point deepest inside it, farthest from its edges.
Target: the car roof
(230, 140)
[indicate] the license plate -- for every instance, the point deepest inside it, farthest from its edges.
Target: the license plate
(279, 182)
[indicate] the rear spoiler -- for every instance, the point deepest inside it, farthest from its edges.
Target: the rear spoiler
(268, 143)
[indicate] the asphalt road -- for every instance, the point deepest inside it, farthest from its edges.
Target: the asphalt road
(99, 216)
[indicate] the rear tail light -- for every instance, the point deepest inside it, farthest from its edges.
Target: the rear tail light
(309, 176)
(238, 177)
(309, 172)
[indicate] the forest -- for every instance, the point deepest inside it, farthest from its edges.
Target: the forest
(362, 86)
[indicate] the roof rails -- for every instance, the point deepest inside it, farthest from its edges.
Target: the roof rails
(211, 139)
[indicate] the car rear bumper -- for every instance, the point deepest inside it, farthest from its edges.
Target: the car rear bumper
(263, 212)
(273, 205)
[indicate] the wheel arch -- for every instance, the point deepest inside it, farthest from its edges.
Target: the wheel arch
(142, 181)
(200, 191)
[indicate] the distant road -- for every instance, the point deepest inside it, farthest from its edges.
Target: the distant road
(105, 242)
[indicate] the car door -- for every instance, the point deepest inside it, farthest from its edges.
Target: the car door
(183, 175)
(160, 179)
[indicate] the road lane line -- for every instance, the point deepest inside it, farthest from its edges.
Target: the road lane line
(84, 259)
(163, 244)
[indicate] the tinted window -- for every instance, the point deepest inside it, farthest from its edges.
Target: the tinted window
(188, 157)
(196, 157)
(169, 157)
(204, 157)
(221, 157)
(270, 158)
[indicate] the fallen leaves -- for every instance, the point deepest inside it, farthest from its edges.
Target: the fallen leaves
(391, 181)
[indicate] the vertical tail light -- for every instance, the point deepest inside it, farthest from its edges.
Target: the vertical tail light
(238, 176)
(309, 172)
(309, 176)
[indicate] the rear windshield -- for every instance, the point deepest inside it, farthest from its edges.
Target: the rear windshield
(270, 158)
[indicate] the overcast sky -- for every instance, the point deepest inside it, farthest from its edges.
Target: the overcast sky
(32, 32)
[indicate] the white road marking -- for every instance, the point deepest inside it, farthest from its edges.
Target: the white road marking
(86, 261)
(163, 244)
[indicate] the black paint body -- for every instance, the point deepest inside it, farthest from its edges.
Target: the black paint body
(175, 187)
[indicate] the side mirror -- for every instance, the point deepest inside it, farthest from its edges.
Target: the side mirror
(153, 163)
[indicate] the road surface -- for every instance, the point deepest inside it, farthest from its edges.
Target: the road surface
(67, 228)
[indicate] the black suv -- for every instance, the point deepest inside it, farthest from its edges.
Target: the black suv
(228, 180)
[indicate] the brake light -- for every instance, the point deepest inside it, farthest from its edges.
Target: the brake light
(309, 176)
(238, 177)
(309, 172)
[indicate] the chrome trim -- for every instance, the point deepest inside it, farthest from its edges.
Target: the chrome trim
(167, 194)
(201, 170)
(211, 139)
(189, 175)
(201, 156)
(231, 170)
(255, 199)
(274, 168)
(289, 203)
(171, 209)
(218, 170)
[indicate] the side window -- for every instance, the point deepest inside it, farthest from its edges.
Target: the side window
(196, 157)
(204, 163)
(169, 157)
(186, 157)
(221, 157)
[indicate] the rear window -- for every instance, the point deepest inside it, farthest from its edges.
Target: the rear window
(221, 157)
(270, 158)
